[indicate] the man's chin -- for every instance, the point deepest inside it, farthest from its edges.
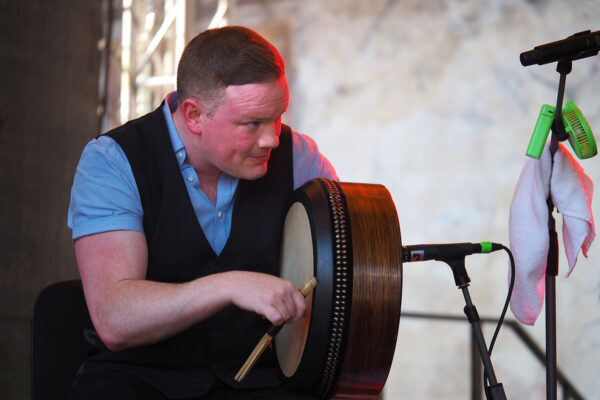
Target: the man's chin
(256, 172)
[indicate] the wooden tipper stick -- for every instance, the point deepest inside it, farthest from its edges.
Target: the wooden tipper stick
(305, 289)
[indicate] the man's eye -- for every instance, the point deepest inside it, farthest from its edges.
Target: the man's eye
(253, 124)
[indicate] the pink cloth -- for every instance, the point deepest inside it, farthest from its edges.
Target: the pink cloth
(571, 191)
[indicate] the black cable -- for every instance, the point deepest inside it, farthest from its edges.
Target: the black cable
(504, 310)
(508, 297)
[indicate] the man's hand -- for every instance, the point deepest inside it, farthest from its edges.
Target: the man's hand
(274, 298)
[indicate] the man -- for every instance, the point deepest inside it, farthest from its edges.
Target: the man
(177, 219)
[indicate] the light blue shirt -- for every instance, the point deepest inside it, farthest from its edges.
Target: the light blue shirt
(104, 196)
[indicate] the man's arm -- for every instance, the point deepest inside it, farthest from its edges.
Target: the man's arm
(308, 162)
(127, 310)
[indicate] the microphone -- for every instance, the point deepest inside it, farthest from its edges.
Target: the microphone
(445, 252)
(580, 45)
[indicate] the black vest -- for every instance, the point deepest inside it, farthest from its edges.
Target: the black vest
(187, 364)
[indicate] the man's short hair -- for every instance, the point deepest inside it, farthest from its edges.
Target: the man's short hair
(218, 58)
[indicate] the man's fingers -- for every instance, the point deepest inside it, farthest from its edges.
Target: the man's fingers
(300, 307)
(286, 308)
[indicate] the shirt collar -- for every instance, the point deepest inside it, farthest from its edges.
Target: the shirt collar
(170, 106)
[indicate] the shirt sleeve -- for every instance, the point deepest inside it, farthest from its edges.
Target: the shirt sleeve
(308, 162)
(104, 196)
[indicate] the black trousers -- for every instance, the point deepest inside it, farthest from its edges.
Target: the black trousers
(116, 385)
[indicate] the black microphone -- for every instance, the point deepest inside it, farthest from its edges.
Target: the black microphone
(445, 252)
(580, 45)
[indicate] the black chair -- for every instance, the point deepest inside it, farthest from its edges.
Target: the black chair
(58, 345)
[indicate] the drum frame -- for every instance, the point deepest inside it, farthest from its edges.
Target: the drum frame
(358, 303)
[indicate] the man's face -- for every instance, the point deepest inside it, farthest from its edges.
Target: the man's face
(237, 138)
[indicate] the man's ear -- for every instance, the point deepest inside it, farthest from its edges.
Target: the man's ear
(193, 113)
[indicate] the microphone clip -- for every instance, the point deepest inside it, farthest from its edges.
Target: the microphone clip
(457, 265)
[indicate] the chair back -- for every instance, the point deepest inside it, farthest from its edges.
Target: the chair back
(58, 345)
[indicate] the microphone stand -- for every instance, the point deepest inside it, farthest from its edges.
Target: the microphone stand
(495, 390)
(558, 134)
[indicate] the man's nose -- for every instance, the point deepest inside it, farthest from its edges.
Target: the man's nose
(269, 137)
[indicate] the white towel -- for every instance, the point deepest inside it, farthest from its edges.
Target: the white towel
(571, 191)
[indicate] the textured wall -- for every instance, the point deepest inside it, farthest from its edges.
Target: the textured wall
(49, 84)
(429, 99)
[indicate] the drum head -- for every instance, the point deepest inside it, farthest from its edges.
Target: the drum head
(296, 266)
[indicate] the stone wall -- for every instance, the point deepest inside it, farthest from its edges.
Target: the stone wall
(425, 97)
